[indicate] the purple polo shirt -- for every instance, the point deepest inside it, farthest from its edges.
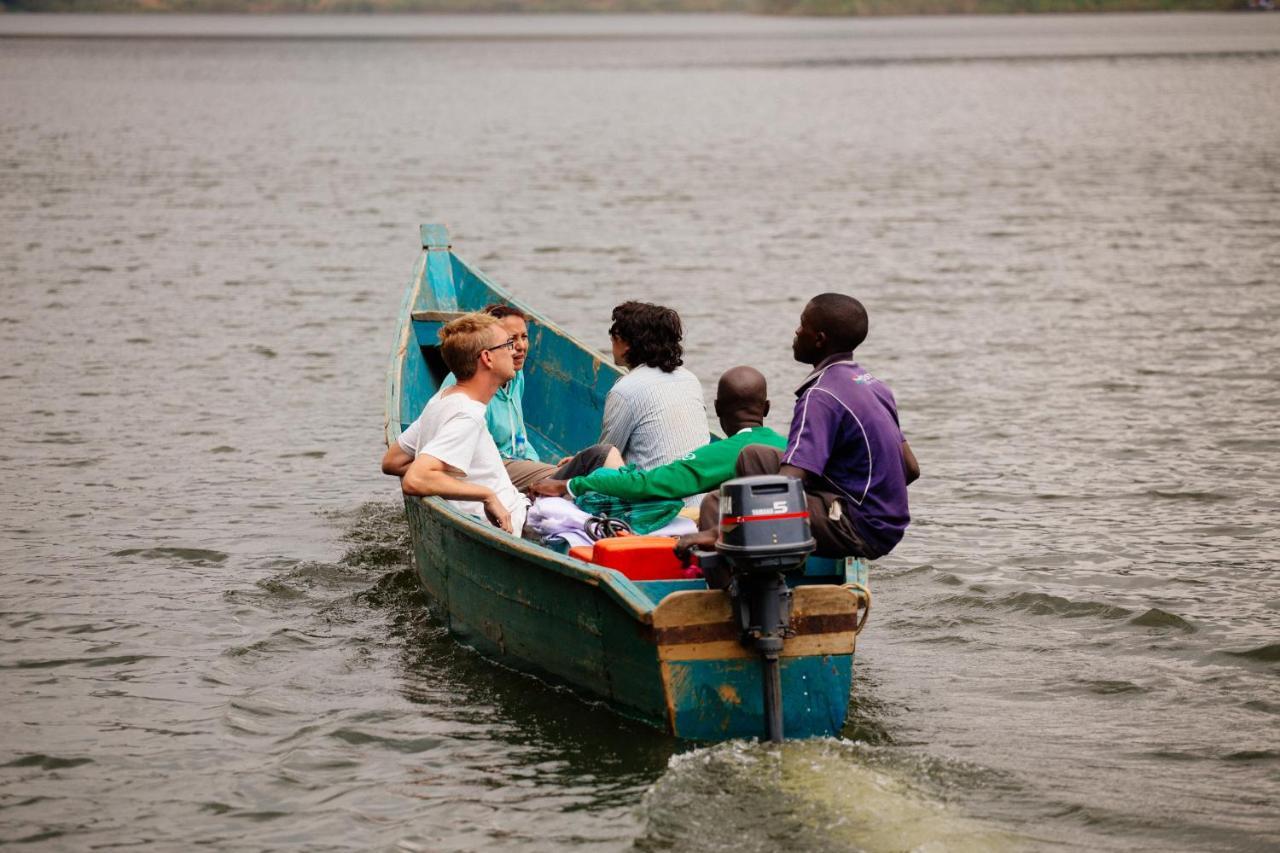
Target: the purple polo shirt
(845, 430)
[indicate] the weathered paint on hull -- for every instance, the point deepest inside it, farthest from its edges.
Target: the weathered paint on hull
(669, 658)
(518, 610)
(713, 683)
(719, 699)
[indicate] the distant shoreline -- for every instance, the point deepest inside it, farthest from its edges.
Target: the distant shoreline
(817, 8)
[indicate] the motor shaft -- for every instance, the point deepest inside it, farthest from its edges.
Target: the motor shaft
(771, 676)
(769, 606)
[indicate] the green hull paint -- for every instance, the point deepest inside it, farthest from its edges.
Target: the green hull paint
(553, 616)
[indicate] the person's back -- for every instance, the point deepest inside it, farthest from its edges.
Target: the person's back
(846, 427)
(654, 417)
(654, 414)
(845, 446)
(742, 404)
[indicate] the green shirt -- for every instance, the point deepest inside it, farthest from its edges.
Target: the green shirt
(700, 471)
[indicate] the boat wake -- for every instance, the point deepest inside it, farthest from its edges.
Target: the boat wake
(818, 795)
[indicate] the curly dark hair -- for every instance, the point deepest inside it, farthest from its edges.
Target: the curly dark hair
(652, 334)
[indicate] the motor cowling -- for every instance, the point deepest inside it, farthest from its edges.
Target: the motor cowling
(764, 533)
(764, 524)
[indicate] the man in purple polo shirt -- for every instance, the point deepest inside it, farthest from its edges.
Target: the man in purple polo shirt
(845, 443)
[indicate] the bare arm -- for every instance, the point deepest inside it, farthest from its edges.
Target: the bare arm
(427, 477)
(395, 462)
(909, 464)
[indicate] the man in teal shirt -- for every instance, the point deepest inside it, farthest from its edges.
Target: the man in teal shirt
(742, 403)
(505, 412)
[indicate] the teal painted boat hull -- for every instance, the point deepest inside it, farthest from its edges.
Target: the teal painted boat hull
(664, 652)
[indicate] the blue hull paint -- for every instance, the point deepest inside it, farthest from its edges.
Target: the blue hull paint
(725, 700)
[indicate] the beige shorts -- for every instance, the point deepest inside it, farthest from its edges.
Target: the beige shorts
(524, 473)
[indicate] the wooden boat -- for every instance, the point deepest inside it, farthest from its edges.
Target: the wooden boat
(665, 652)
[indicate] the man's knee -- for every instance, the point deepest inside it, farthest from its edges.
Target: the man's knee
(585, 461)
(757, 459)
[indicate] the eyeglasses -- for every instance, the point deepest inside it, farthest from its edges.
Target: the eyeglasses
(509, 343)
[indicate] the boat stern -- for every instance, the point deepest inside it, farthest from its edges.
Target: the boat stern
(713, 684)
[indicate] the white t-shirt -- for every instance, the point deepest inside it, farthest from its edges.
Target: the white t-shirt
(452, 429)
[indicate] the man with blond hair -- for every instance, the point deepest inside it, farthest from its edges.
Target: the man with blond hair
(455, 457)
(504, 417)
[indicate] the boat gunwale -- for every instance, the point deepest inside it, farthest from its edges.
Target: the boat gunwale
(596, 356)
(622, 590)
(399, 347)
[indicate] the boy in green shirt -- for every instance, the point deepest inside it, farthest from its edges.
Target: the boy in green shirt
(742, 402)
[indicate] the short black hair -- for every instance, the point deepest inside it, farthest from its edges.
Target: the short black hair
(652, 334)
(841, 318)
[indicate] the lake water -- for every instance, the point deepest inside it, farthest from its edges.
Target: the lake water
(1066, 230)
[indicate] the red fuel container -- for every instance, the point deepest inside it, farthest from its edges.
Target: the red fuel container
(640, 558)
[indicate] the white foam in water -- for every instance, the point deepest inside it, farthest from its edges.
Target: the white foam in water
(819, 795)
(874, 809)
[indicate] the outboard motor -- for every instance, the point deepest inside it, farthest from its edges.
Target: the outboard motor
(764, 533)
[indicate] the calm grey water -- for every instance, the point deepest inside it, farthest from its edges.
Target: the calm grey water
(1067, 231)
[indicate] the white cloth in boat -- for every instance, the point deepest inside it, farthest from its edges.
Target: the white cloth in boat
(559, 517)
(452, 429)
